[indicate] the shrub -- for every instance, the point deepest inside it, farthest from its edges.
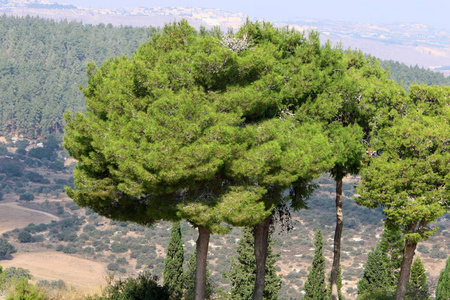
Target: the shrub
(100, 247)
(118, 248)
(17, 273)
(88, 250)
(113, 267)
(21, 151)
(54, 284)
(88, 228)
(3, 149)
(21, 144)
(122, 261)
(42, 152)
(36, 177)
(25, 237)
(60, 181)
(144, 287)
(6, 249)
(70, 249)
(32, 163)
(11, 168)
(26, 197)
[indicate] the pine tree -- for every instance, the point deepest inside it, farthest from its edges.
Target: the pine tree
(377, 276)
(173, 265)
(189, 279)
(242, 273)
(410, 177)
(443, 286)
(418, 286)
(315, 286)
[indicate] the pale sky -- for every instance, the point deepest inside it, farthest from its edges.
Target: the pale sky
(435, 13)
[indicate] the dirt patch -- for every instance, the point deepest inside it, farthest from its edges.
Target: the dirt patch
(77, 272)
(14, 216)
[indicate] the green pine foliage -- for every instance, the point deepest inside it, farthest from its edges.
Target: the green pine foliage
(377, 278)
(173, 264)
(242, 273)
(315, 286)
(418, 287)
(189, 282)
(443, 286)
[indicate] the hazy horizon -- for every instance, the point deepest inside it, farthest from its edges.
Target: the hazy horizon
(433, 13)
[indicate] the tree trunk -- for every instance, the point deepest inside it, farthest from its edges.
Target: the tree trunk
(405, 270)
(337, 242)
(261, 245)
(202, 254)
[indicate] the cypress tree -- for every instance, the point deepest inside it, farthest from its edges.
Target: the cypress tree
(443, 286)
(418, 287)
(377, 275)
(243, 269)
(173, 265)
(315, 287)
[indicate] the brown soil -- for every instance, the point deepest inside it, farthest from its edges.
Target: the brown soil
(14, 216)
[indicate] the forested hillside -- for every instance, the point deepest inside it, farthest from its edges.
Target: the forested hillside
(407, 75)
(42, 64)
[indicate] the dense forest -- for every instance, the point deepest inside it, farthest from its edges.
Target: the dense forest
(407, 75)
(43, 63)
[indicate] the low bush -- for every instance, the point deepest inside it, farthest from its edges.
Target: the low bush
(26, 197)
(144, 287)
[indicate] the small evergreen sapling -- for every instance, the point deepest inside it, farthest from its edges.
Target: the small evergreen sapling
(243, 269)
(418, 287)
(173, 265)
(315, 286)
(377, 276)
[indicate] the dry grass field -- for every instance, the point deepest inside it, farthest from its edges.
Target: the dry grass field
(83, 274)
(14, 216)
